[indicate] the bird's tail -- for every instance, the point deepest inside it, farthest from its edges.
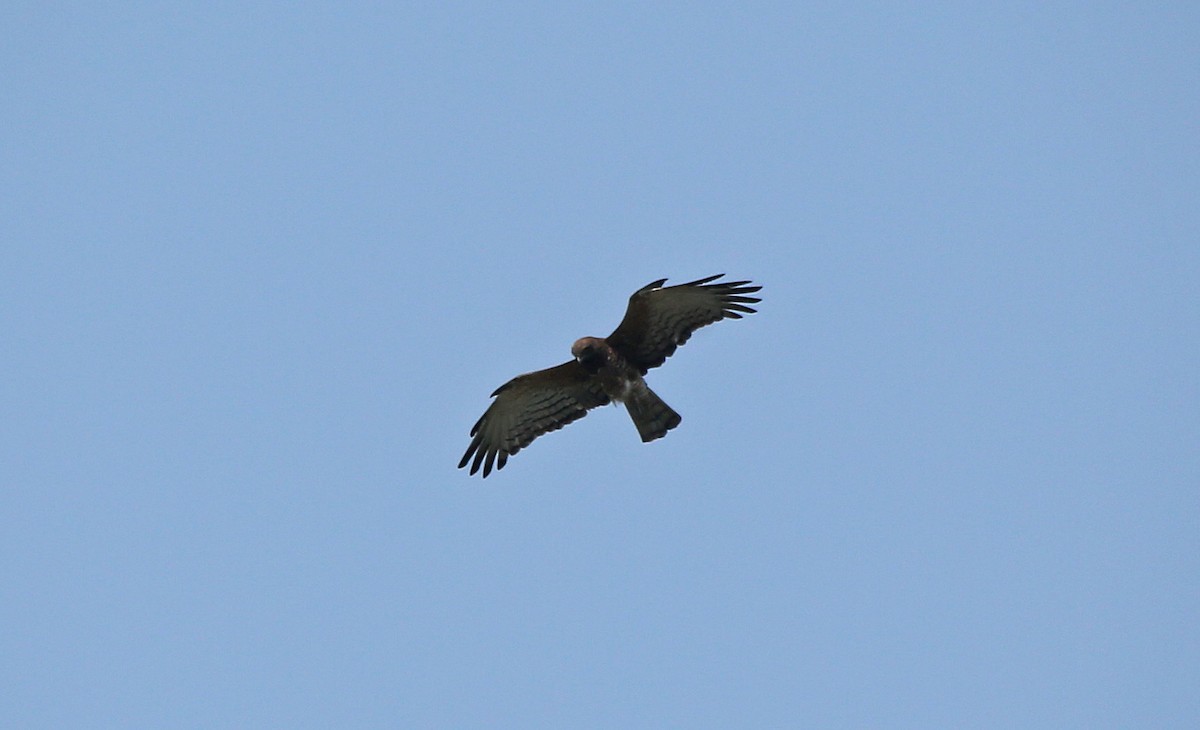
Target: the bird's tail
(650, 414)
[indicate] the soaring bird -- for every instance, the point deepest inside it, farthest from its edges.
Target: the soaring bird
(606, 369)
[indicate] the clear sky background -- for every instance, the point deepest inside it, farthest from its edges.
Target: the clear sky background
(262, 265)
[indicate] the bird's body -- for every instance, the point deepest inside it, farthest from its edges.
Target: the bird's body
(606, 370)
(623, 383)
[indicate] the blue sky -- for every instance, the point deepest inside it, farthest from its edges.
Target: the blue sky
(264, 263)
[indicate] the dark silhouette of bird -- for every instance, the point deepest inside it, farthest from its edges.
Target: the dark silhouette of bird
(606, 369)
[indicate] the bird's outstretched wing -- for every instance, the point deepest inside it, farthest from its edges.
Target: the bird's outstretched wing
(528, 406)
(659, 318)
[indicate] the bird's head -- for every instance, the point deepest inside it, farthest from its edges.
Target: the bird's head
(590, 352)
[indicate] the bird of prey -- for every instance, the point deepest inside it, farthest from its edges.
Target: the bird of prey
(657, 320)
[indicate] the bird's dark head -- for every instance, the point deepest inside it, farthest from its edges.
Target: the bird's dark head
(591, 352)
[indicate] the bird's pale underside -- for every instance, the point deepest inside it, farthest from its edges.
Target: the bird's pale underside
(606, 369)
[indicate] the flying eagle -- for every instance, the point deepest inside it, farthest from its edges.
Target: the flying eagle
(603, 370)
